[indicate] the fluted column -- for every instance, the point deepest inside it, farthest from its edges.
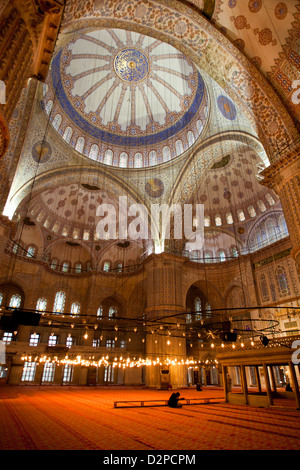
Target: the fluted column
(283, 177)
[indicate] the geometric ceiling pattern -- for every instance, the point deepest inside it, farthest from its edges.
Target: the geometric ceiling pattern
(125, 99)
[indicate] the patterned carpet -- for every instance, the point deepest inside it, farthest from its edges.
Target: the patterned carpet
(74, 418)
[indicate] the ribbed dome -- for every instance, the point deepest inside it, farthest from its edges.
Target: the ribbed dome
(125, 99)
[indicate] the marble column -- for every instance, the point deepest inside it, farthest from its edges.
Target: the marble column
(283, 176)
(165, 342)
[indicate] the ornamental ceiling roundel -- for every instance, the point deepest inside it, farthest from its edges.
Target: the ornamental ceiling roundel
(131, 99)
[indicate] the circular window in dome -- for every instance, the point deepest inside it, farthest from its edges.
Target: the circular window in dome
(129, 96)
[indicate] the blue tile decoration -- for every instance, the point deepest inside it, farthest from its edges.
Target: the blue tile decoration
(131, 65)
(226, 107)
(116, 139)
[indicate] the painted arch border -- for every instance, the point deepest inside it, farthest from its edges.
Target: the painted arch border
(209, 49)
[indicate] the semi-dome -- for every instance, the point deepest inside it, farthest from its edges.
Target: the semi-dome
(125, 99)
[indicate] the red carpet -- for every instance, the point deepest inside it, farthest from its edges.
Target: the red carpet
(67, 418)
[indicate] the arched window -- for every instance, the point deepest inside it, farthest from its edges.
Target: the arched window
(59, 303)
(234, 251)
(94, 151)
(78, 268)
(1, 298)
(208, 309)
(30, 251)
(68, 134)
(88, 266)
(65, 267)
(56, 121)
(119, 267)
(75, 308)
(75, 234)
(112, 312)
(282, 281)
(179, 147)
(218, 220)
(198, 308)
(54, 264)
(222, 255)
(208, 256)
(100, 312)
(108, 157)
(15, 301)
(41, 305)
(45, 89)
(190, 138)
(166, 154)
(188, 318)
(229, 218)
(270, 199)
(206, 221)
(86, 235)
(106, 266)
(49, 106)
(261, 205)
(152, 158)
(138, 160)
(65, 231)
(123, 160)
(264, 290)
(251, 211)
(80, 144)
(241, 215)
(271, 229)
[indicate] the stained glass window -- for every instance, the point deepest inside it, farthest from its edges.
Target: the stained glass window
(80, 144)
(112, 312)
(94, 152)
(229, 218)
(241, 215)
(138, 160)
(30, 251)
(65, 267)
(282, 281)
(100, 312)
(198, 308)
(206, 221)
(208, 309)
(218, 220)
(68, 134)
(15, 301)
(41, 305)
(78, 268)
(75, 308)
(106, 266)
(59, 303)
(53, 264)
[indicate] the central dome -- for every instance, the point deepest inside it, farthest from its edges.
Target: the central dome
(125, 99)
